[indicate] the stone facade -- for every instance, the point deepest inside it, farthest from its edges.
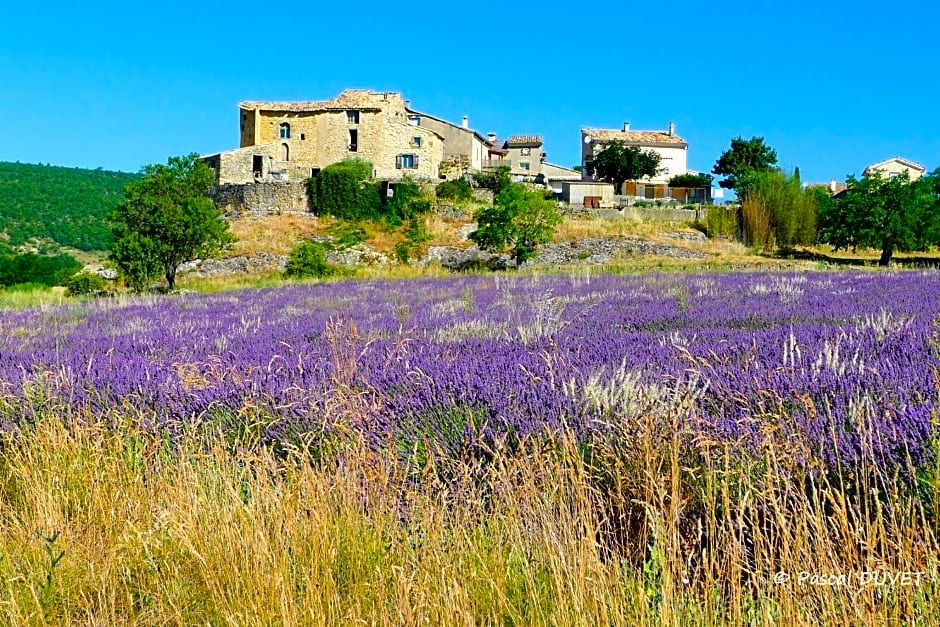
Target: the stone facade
(462, 145)
(292, 140)
(261, 198)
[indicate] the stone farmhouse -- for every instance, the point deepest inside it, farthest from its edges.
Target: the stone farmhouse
(672, 149)
(290, 141)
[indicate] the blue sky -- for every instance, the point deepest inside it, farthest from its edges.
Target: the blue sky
(832, 86)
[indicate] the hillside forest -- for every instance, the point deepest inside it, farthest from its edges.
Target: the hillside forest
(67, 205)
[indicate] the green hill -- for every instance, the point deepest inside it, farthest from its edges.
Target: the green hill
(66, 205)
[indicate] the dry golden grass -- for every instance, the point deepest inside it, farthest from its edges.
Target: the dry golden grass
(274, 233)
(113, 525)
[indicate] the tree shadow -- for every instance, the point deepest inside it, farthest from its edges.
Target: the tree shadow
(911, 261)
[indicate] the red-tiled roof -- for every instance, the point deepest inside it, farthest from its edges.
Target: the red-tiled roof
(636, 138)
(361, 99)
(524, 140)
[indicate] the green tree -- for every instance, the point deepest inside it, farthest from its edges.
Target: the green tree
(893, 214)
(519, 218)
(165, 220)
(618, 163)
(745, 157)
(691, 180)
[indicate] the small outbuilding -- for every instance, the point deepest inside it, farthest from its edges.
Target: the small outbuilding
(591, 194)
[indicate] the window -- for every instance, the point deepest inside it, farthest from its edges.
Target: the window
(285, 152)
(524, 165)
(416, 142)
(414, 120)
(526, 151)
(285, 130)
(353, 140)
(406, 162)
(352, 117)
(302, 137)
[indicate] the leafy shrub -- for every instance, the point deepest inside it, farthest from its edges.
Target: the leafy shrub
(406, 203)
(308, 259)
(343, 190)
(85, 283)
(458, 189)
(496, 180)
(346, 234)
(40, 269)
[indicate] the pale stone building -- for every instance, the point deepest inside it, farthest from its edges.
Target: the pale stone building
(896, 166)
(672, 149)
(464, 148)
(293, 140)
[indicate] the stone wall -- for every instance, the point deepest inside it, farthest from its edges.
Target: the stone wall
(261, 198)
(653, 214)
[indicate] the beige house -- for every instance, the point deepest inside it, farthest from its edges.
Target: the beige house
(293, 140)
(896, 166)
(465, 150)
(672, 149)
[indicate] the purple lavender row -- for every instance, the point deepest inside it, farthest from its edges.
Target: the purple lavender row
(844, 363)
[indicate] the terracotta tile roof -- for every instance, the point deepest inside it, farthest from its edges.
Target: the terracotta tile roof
(524, 140)
(637, 138)
(362, 99)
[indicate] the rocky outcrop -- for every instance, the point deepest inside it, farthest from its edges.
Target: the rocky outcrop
(464, 259)
(234, 265)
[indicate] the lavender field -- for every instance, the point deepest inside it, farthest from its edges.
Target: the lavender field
(645, 449)
(843, 363)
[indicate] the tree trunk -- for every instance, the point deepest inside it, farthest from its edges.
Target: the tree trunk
(171, 278)
(887, 250)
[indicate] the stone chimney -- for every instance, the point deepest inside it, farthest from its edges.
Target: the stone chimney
(466, 122)
(833, 186)
(672, 129)
(626, 127)
(491, 137)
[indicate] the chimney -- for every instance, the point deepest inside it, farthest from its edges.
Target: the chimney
(672, 129)
(466, 122)
(833, 186)
(626, 127)
(491, 137)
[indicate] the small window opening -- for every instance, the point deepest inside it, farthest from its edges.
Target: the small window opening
(285, 130)
(353, 140)
(352, 117)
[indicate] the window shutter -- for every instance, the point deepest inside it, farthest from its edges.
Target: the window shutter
(416, 161)
(398, 162)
